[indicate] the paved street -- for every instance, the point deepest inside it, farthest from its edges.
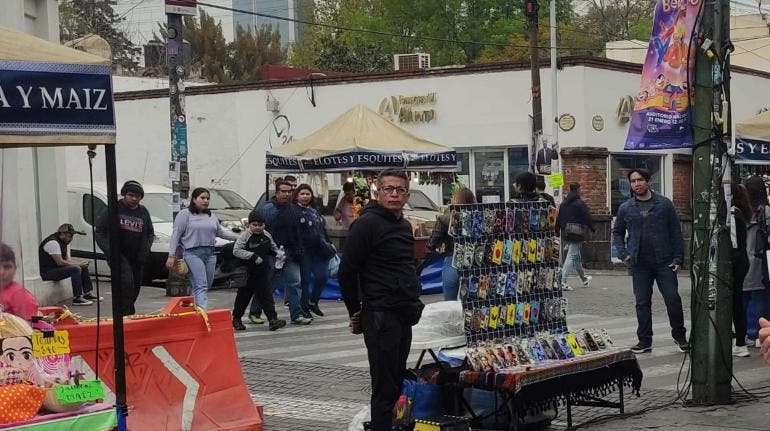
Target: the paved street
(316, 378)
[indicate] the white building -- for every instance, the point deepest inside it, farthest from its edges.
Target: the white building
(33, 180)
(481, 110)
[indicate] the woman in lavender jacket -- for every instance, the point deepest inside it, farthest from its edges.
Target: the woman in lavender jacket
(195, 231)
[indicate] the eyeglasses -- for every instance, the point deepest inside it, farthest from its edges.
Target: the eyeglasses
(388, 190)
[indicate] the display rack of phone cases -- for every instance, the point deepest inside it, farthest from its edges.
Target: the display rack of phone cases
(507, 258)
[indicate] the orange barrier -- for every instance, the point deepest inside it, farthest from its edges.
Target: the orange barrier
(182, 368)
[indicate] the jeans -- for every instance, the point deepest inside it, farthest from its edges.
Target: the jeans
(79, 277)
(573, 261)
(756, 304)
(289, 278)
(319, 267)
(257, 287)
(201, 263)
(644, 274)
(256, 309)
(450, 280)
(388, 338)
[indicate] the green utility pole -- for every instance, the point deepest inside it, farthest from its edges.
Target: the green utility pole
(711, 354)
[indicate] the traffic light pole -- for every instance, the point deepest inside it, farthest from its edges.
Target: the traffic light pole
(711, 354)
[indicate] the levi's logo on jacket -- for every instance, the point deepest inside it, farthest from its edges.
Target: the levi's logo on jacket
(132, 224)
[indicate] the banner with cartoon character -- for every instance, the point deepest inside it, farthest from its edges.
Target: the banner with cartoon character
(661, 118)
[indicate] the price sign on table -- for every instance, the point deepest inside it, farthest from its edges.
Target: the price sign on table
(87, 390)
(58, 344)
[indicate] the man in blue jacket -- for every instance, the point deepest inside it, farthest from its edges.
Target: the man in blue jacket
(654, 250)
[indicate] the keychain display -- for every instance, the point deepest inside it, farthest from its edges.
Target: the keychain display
(507, 258)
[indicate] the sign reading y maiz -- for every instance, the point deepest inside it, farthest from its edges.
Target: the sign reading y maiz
(55, 99)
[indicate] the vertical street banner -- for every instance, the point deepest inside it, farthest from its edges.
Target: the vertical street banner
(661, 117)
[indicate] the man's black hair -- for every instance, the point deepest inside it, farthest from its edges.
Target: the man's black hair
(641, 171)
(289, 178)
(348, 186)
(527, 181)
(6, 253)
(392, 173)
(573, 187)
(256, 217)
(540, 183)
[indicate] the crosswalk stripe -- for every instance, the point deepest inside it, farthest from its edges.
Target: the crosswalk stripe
(327, 340)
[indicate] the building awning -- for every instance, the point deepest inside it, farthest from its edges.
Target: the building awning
(361, 139)
(752, 140)
(51, 95)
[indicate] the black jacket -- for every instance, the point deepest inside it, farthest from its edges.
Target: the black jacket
(136, 233)
(574, 210)
(377, 271)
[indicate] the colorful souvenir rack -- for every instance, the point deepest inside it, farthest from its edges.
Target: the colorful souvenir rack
(507, 256)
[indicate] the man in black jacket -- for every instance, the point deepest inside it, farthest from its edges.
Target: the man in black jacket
(381, 291)
(574, 212)
(136, 237)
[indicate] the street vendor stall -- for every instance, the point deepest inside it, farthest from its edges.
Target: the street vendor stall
(362, 140)
(514, 316)
(752, 140)
(53, 96)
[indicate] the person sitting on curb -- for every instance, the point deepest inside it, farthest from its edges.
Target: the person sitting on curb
(56, 264)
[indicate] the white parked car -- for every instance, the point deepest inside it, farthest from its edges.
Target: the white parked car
(157, 200)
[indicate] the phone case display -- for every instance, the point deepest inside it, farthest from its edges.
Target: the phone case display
(507, 257)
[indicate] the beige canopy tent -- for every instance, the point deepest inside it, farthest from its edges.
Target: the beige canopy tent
(51, 95)
(361, 139)
(752, 140)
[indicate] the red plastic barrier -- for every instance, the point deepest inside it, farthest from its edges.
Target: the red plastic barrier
(179, 375)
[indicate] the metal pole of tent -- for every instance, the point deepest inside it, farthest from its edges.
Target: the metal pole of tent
(117, 287)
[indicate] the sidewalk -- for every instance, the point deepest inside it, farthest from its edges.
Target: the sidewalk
(305, 396)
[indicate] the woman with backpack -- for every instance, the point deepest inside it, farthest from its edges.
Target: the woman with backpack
(573, 222)
(755, 285)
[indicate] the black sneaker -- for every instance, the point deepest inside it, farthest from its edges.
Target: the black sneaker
(81, 301)
(277, 324)
(641, 348)
(683, 345)
(90, 297)
(314, 308)
(238, 325)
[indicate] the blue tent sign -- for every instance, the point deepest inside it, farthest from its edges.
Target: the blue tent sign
(750, 151)
(180, 138)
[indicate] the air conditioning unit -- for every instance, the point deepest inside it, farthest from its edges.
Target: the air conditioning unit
(272, 105)
(414, 61)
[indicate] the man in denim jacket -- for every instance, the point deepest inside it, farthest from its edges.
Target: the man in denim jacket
(654, 250)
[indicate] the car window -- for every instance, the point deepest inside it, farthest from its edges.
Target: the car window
(420, 201)
(99, 208)
(159, 207)
(228, 200)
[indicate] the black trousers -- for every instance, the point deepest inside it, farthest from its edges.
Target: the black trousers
(388, 339)
(259, 287)
(739, 310)
(131, 276)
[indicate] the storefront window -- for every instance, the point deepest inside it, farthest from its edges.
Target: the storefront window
(620, 165)
(518, 162)
(489, 175)
(463, 176)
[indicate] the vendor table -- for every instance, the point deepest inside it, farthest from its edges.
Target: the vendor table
(580, 381)
(430, 347)
(96, 417)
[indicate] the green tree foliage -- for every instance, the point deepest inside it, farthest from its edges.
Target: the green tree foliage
(614, 20)
(208, 46)
(252, 50)
(455, 22)
(79, 18)
(218, 61)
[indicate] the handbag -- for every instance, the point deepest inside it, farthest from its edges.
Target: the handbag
(575, 232)
(334, 266)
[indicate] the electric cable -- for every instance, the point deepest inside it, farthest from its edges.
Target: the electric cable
(406, 36)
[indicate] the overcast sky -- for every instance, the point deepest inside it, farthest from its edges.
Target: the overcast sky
(142, 17)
